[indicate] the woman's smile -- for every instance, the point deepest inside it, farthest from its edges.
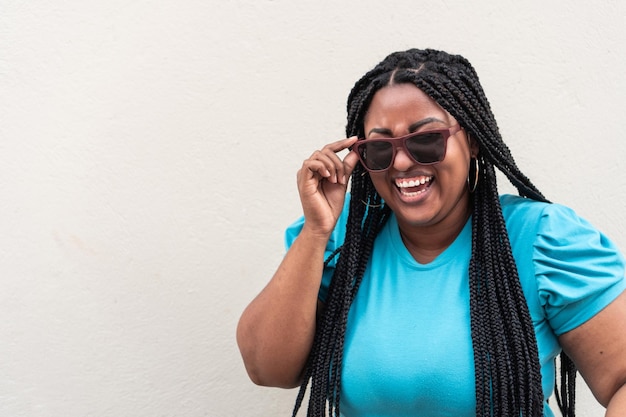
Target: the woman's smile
(413, 187)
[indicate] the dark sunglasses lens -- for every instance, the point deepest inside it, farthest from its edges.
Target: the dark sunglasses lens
(427, 148)
(375, 154)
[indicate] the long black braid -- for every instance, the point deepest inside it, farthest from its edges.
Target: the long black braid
(507, 369)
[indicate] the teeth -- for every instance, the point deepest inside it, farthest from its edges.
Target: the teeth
(402, 183)
(412, 194)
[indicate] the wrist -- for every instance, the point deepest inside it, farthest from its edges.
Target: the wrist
(315, 234)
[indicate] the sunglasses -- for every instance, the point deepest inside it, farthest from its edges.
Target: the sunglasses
(425, 147)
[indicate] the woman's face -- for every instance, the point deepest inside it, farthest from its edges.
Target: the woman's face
(441, 197)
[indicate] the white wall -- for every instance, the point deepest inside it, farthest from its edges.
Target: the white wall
(148, 153)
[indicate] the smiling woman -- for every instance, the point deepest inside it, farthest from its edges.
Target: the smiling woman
(442, 200)
(423, 291)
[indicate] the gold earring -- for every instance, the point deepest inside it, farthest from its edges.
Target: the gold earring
(476, 175)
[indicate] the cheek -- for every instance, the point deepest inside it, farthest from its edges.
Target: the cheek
(455, 167)
(452, 174)
(380, 183)
(456, 162)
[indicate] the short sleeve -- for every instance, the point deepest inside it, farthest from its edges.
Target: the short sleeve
(337, 238)
(579, 270)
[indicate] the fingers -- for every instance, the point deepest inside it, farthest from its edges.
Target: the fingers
(328, 165)
(322, 183)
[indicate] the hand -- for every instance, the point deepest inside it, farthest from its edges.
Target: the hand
(322, 184)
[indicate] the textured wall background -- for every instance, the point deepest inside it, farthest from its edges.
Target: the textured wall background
(148, 153)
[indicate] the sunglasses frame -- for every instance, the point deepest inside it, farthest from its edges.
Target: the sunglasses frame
(400, 142)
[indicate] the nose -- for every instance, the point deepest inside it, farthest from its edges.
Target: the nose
(402, 161)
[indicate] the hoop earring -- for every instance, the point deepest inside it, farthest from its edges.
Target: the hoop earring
(473, 184)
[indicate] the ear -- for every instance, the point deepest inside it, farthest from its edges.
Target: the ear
(473, 145)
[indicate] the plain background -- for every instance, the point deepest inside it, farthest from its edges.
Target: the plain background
(148, 153)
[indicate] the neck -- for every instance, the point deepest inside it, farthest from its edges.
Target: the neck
(427, 242)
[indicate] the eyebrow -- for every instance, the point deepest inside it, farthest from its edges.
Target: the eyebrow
(412, 128)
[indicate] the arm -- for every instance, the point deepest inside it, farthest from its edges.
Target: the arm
(617, 406)
(598, 348)
(276, 330)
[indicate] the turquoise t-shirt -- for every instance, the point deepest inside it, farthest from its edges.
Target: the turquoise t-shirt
(408, 348)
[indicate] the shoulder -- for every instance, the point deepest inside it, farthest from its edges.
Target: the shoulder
(575, 269)
(530, 219)
(553, 230)
(522, 217)
(516, 208)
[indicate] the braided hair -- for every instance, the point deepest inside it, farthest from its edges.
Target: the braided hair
(506, 360)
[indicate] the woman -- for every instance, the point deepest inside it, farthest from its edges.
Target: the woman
(423, 292)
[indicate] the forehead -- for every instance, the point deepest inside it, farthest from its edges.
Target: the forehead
(402, 101)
